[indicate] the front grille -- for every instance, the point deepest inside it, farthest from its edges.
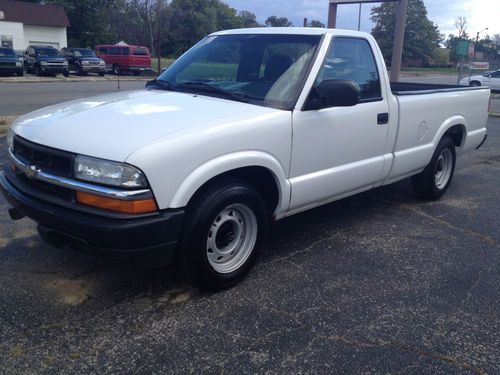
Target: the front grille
(55, 64)
(94, 62)
(47, 159)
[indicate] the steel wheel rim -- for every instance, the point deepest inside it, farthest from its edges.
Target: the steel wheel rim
(231, 238)
(443, 168)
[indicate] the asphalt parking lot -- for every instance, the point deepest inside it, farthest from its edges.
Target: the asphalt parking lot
(376, 283)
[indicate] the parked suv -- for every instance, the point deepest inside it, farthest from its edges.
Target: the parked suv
(9, 63)
(42, 60)
(83, 61)
(135, 59)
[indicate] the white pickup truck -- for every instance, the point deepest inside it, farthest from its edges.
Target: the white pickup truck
(248, 126)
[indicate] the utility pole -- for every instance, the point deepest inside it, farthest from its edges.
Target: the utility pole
(359, 17)
(475, 50)
(399, 35)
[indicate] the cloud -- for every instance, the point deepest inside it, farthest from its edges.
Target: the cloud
(479, 13)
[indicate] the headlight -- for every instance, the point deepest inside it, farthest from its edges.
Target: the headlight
(43, 62)
(108, 172)
(85, 62)
(65, 62)
(10, 139)
(19, 64)
(102, 62)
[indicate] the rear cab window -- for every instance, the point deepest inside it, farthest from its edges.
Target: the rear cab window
(140, 51)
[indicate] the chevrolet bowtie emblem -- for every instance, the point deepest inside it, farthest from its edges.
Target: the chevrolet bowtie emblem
(31, 171)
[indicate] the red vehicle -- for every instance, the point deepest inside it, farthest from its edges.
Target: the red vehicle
(135, 59)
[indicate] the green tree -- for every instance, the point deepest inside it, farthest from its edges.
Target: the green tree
(275, 21)
(248, 19)
(316, 23)
(421, 38)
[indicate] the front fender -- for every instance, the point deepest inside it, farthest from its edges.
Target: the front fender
(226, 163)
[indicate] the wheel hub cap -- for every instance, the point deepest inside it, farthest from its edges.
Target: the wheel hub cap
(231, 238)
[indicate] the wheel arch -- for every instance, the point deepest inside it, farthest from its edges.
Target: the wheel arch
(260, 170)
(456, 128)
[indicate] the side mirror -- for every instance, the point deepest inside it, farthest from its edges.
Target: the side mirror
(335, 93)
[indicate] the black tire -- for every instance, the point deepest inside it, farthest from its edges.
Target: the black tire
(428, 185)
(475, 83)
(136, 73)
(66, 73)
(116, 70)
(20, 74)
(202, 214)
(37, 71)
(101, 74)
(80, 71)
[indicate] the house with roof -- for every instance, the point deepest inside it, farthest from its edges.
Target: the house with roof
(23, 24)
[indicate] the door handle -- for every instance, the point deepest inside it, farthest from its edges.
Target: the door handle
(382, 118)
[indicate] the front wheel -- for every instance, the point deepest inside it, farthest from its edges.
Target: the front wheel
(475, 84)
(225, 226)
(435, 179)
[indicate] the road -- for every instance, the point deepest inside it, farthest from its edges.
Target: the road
(376, 283)
(21, 98)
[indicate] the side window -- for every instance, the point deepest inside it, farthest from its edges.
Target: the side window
(103, 50)
(495, 75)
(125, 51)
(352, 59)
(114, 51)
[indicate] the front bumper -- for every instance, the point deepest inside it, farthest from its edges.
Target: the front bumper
(11, 69)
(53, 69)
(155, 235)
(94, 68)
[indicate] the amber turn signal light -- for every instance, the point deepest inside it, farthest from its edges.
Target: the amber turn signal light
(141, 206)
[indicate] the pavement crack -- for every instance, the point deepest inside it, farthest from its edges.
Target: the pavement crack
(418, 211)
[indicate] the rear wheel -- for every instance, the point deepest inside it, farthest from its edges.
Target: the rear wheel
(224, 228)
(475, 83)
(20, 73)
(435, 179)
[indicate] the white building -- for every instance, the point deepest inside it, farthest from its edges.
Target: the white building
(23, 24)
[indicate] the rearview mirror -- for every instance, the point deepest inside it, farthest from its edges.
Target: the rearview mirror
(335, 93)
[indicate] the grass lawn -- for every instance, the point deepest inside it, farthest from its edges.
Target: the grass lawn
(164, 63)
(451, 71)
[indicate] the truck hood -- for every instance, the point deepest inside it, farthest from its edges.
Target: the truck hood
(112, 126)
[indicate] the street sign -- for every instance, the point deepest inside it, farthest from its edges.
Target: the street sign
(482, 65)
(462, 47)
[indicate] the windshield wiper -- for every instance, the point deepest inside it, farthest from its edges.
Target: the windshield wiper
(161, 84)
(209, 88)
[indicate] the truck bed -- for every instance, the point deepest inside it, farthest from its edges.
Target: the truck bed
(411, 88)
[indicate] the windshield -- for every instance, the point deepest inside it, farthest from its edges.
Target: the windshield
(264, 69)
(47, 52)
(84, 53)
(7, 52)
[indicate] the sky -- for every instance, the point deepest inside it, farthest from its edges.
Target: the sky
(479, 13)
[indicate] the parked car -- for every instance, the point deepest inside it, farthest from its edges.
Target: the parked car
(193, 167)
(9, 64)
(45, 60)
(488, 79)
(135, 59)
(84, 61)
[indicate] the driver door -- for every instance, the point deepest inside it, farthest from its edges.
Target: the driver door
(340, 150)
